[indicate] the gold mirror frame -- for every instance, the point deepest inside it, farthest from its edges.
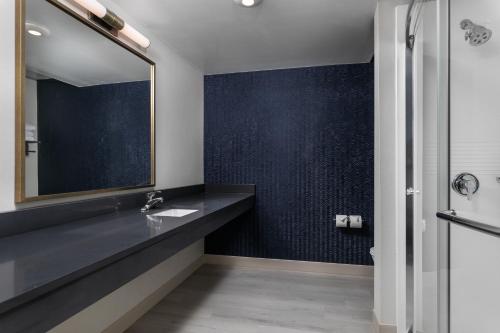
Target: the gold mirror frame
(20, 181)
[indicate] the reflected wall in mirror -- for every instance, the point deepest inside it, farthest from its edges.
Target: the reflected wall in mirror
(85, 107)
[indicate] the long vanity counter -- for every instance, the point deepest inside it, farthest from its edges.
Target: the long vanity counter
(52, 273)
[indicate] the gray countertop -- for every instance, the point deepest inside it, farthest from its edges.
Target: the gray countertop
(37, 262)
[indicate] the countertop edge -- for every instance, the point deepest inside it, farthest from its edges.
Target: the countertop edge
(20, 300)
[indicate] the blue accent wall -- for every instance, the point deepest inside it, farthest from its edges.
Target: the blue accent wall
(305, 138)
(93, 137)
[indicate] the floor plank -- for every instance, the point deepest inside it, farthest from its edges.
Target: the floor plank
(228, 300)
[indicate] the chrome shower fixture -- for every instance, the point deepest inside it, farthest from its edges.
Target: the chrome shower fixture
(475, 34)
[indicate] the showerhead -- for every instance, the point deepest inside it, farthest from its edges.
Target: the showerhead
(475, 34)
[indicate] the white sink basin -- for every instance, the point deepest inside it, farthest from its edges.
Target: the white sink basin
(175, 212)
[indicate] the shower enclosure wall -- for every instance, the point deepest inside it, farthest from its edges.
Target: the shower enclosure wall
(456, 79)
(474, 141)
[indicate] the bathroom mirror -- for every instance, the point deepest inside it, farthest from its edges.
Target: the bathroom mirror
(85, 106)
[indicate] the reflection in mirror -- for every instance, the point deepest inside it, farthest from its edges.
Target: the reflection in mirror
(88, 108)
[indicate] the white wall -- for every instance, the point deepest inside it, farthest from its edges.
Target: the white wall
(475, 148)
(31, 118)
(179, 112)
(426, 233)
(402, 308)
(386, 158)
(179, 150)
(7, 100)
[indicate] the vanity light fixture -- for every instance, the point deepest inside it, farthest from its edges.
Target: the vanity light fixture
(248, 3)
(113, 20)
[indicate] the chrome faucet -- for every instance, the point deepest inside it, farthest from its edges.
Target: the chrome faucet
(153, 201)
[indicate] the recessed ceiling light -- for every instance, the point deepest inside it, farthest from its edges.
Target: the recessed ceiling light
(36, 30)
(248, 3)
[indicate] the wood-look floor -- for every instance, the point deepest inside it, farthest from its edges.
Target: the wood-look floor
(235, 300)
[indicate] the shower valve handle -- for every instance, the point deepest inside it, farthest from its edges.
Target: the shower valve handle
(465, 184)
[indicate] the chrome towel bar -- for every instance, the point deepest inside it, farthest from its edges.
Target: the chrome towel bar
(453, 217)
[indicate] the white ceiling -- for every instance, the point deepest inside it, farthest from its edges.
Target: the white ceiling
(76, 54)
(222, 37)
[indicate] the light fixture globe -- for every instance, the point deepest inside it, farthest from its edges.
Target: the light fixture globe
(247, 3)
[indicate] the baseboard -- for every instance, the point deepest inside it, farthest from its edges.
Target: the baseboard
(378, 327)
(291, 265)
(147, 304)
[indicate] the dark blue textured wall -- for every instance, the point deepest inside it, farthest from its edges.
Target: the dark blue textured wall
(93, 137)
(305, 138)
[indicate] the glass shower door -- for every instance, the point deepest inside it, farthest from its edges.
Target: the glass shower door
(474, 166)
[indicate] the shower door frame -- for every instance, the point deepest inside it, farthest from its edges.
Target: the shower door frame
(410, 181)
(410, 193)
(443, 159)
(443, 189)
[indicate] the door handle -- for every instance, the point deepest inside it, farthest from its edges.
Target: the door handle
(411, 191)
